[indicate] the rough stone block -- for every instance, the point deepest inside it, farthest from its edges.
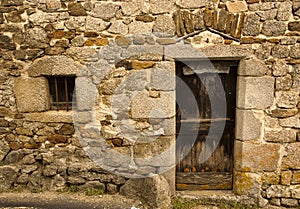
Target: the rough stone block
(284, 11)
(291, 122)
(155, 190)
(286, 177)
(282, 136)
(118, 27)
(8, 175)
(274, 28)
(287, 99)
(106, 11)
(249, 125)
(160, 6)
(296, 178)
(164, 24)
(132, 8)
(252, 67)
(145, 52)
(163, 76)
(294, 26)
(254, 92)
(138, 27)
(295, 51)
(251, 25)
(191, 4)
(185, 51)
(32, 94)
(284, 83)
(95, 24)
(256, 157)
(289, 202)
(246, 183)
(54, 65)
(76, 9)
(280, 68)
(278, 191)
(50, 117)
(236, 6)
(143, 106)
(86, 94)
(292, 158)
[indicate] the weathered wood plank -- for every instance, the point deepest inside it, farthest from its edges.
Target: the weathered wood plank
(195, 187)
(213, 179)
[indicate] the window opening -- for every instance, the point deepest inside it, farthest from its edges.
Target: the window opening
(62, 94)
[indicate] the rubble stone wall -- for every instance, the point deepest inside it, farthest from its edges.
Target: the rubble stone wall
(124, 51)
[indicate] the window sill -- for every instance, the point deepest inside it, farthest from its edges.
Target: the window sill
(51, 116)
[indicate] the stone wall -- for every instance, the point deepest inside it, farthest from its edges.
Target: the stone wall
(123, 53)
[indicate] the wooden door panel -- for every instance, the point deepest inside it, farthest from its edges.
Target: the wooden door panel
(216, 171)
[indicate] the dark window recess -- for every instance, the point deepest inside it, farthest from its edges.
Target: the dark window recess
(62, 94)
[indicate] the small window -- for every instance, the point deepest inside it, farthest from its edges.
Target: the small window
(62, 94)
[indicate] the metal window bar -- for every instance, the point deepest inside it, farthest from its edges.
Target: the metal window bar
(61, 91)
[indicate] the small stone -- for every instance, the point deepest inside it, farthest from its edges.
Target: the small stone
(191, 4)
(294, 26)
(15, 145)
(275, 201)
(289, 202)
(54, 50)
(50, 170)
(164, 24)
(95, 24)
(123, 41)
(280, 51)
(112, 188)
(105, 11)
(132, 8)
(55, 139)
(292, 158)
(67, 129)
(284, 11)
(165, 41)
(237, 6)
(13, 157)
(53, 5)
(139, 40)
(251, 25)
(283, 136)
(36, 38)
(96, 41)
(76, 9)
(283, 113)
(280, 68)
(118, 27)
(12, 2)
(273, 28)
(160, 6)
(78, 41)
(291, 122)
(135, 64)
(286, 99)
(284, 83)
(145, 18)
(295, 51)
(296, 177)
(138, 27)
(286, 177)
(267, 15)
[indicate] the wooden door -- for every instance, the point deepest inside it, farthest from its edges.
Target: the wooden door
(216, 171)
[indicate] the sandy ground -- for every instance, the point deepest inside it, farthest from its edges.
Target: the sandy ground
(48, 200)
